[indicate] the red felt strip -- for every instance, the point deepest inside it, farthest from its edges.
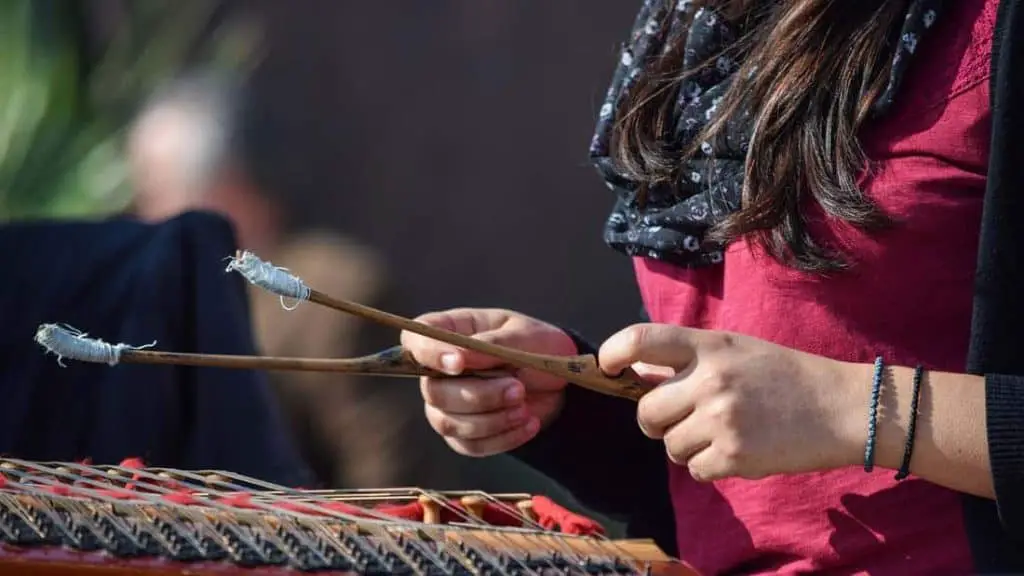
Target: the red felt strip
(554, 517)
(182, 497)
(412, 511)
(133, 464)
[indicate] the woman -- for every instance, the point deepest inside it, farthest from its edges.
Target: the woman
(801, 185)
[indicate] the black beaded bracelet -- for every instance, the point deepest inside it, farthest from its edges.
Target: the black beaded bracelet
(876, 392)
(908, 449)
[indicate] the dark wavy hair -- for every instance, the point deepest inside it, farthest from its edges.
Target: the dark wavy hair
(821, 64)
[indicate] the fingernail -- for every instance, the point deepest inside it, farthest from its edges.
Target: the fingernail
(450, 363)
(514, 394)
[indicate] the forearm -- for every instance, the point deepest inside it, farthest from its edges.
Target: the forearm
(951, 445)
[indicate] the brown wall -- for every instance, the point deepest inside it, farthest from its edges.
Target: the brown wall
(451, 135)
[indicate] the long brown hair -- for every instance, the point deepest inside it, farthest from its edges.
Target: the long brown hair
(820, 65)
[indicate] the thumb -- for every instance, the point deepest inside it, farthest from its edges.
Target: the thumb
(453, 360)
(440, 355)
(461, 359)
(659, 344)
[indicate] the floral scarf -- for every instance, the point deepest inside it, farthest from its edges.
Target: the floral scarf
(672, 221)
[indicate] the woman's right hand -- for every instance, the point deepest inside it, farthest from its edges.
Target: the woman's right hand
(482, 417)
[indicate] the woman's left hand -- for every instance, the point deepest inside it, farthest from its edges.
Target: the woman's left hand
(735, 406)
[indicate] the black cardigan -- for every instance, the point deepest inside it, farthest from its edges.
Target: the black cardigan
(631, 484)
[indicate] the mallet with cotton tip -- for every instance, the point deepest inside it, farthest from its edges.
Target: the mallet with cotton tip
(69, 343)
(582, 370)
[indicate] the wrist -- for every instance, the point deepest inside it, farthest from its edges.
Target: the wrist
(855, 381)
(891, 418)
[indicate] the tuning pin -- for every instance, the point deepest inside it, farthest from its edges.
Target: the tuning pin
(525, 508)
(431, 509)
(474, 506)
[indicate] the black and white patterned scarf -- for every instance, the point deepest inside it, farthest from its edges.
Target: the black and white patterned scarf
(672, 221)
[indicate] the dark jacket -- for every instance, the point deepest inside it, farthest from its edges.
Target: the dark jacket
(632, 482)
(125, 281)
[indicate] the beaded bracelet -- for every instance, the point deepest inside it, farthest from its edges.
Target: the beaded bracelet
(908, 449)
(876, 392)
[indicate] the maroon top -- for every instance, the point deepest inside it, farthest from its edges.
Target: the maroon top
(899, 302)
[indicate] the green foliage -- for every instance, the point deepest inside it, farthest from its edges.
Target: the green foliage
(60, 126)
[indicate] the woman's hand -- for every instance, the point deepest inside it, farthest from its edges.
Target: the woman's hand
(739, 406)
(484, 417)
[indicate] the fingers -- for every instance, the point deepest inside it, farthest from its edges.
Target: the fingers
(484, 325)
(659, 344)
(479, 417)
(472, 396)
(497, 444)
(435, 354)
(691, 440)
(706, 465)
(664, 407)
(463, 320)
(459, 359)
(476, 427)
(685, 440)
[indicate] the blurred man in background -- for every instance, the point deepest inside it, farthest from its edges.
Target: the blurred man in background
(181, 153)
(188, 150)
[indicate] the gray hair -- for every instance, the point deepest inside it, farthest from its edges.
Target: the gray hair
(205, 107)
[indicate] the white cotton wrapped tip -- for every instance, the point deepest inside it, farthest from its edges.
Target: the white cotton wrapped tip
(67, 342)
(269, 277)
(71, 343)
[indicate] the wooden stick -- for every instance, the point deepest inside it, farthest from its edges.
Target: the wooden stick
(69, 343)
(391, 362)
(581, 370)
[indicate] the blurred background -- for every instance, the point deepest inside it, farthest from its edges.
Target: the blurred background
(413, 156)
